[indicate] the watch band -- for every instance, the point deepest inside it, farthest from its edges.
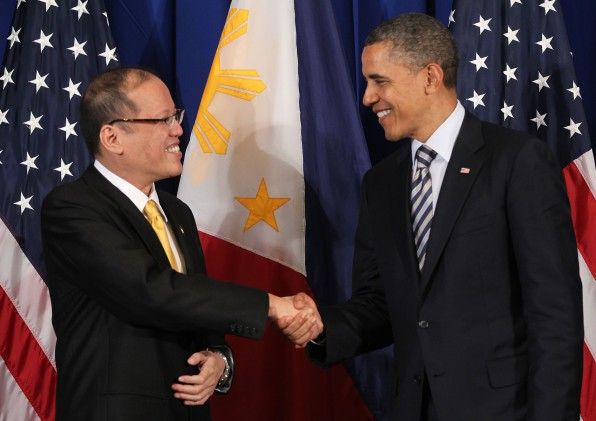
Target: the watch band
(225, 381)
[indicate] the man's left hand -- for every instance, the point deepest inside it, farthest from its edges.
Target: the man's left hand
(196, 389)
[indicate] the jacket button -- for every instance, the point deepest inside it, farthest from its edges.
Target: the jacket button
(417, 379)
(423, 324)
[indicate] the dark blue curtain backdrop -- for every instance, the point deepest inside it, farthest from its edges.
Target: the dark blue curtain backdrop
(177, 38)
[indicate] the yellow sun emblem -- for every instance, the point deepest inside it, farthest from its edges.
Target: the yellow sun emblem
(240, 83)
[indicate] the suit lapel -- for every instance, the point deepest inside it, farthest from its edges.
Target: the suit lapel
(133, 217)
(468, 155)
(396, 216)
(175, 218)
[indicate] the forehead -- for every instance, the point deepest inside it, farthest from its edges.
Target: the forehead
(380, 60)
(151, 94)
(378, 53)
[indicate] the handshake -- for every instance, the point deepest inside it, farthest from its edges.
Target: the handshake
(296, 317)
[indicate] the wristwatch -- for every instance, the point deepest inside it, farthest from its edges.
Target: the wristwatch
(226, 373)
(225, 381)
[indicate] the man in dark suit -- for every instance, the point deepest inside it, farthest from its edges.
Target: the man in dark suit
(465, 258)
(139, 325)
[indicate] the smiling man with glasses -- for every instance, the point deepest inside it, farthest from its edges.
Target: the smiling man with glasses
(139, 325)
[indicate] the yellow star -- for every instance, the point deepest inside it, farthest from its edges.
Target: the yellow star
(262, 207)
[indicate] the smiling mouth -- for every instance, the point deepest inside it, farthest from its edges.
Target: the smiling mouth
(173, 149)
(383, 113)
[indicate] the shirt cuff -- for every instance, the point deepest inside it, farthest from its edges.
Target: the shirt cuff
(319, 340)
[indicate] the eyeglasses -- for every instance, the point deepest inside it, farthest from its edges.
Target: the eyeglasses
(177, 117)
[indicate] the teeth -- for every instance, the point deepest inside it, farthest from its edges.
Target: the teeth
(383, 113)
(173, 148)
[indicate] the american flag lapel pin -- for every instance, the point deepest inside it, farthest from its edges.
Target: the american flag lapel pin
(464, 170)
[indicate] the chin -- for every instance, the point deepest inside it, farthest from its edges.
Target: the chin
(172, 172)
(392, 137)
(390, 132)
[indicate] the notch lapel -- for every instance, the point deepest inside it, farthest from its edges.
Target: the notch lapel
(468, 154)
(395, 214)
(193, 261)
(132, 217)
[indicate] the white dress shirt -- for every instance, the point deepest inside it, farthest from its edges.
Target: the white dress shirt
(442, 142)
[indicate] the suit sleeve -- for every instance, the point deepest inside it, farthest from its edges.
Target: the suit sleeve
(87, 247)
(361, 324)
(546, 258)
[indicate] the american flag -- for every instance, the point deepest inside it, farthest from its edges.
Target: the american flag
(53, 50)
(516, 69)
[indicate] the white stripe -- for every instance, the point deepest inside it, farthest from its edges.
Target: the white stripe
(426, 221)
(419, 207)
(589, 299)
(13, 403)
(425, 185)
(585, 165)
(421, 261)
(27, 291)
(416, 189)
(423, 241)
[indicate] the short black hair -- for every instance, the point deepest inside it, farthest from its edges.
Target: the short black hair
(418, 40)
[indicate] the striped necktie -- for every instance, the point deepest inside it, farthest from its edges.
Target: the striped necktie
(158, 224)
(422, 201)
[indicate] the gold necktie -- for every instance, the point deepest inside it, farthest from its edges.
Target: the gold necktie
(158, 224)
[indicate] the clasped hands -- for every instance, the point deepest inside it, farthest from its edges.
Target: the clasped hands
(296, 317)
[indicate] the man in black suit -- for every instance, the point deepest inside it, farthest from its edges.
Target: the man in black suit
(465, 258)
(139, 326)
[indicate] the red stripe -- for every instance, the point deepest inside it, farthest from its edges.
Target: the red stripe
(274, 380)
(583, 213)
(588, 395)
(26, 360)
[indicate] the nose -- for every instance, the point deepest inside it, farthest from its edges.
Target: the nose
(369, 97)
(176, 129)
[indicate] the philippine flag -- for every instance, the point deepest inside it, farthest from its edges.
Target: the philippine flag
(272, 174)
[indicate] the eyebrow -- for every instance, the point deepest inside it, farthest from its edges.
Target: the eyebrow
(167, 111)
(376, 77)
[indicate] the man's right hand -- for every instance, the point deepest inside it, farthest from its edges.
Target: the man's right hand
(306, 325)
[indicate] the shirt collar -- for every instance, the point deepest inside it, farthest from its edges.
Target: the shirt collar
(137, 197)
(443, 139)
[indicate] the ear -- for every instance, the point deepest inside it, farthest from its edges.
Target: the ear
(434, 78)
(110, 139)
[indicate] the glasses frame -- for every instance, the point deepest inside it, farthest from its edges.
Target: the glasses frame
(178, 116)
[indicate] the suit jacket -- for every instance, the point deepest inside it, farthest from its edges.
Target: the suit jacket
(125, 321)
(494, 321)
